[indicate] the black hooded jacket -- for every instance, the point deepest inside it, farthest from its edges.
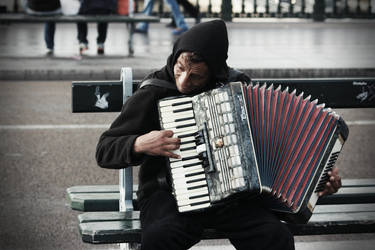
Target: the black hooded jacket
(139, 114)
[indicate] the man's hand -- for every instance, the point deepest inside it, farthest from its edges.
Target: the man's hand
(159, 143)
(333, 184)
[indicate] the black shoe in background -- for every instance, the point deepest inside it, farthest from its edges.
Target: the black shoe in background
(172, 24)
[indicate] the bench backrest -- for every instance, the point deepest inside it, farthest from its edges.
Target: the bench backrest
(109, 96)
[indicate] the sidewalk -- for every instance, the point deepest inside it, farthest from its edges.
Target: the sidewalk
(262, 47)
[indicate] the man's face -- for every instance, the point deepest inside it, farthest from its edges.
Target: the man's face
(190, 77)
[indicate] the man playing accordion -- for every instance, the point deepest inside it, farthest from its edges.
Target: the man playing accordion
(197, 64)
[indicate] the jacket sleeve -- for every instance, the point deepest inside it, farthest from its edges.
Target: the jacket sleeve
(139, 116)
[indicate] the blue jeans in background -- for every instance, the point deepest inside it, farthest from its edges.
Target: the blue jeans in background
(49, 34)
(177, 15)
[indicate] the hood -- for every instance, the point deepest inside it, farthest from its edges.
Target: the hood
(210, 41)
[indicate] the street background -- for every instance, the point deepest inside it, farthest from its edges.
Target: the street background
(44, 148)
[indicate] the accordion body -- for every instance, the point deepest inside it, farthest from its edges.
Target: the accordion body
(239, 141)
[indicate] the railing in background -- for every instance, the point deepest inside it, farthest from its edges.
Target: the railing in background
(227, 9)
(317, 9)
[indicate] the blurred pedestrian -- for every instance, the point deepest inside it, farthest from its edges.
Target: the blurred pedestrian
(94, 7)
(192, 10)
(44, 7)
(177, 15)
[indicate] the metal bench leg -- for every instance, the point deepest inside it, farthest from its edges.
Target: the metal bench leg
(130, 246)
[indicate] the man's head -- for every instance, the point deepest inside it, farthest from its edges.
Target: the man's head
(199, 55)
(191, 73)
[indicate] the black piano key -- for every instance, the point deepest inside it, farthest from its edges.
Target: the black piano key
(197, 196)
(196, 180)
(186, 125)
(187, 135)
(196, 187)
(182, 110)
(193, 174)
(183, 119)
(186, 149)
(181, 103)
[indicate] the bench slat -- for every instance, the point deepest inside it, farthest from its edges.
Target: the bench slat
(89, 200)
(323, 89)
(369, 182)
(128, 230)
(94, 202)
(134, 215)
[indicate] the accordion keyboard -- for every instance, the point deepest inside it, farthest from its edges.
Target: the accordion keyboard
(188, 175)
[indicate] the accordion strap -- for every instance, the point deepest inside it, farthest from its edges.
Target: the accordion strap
(158, 83)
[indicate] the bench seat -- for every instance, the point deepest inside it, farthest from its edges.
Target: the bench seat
(124, 227)
(106, 197)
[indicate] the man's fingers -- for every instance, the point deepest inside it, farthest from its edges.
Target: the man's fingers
(330, 188)
(167, 133)
(335, 171)
(170, 147)
(171, 155)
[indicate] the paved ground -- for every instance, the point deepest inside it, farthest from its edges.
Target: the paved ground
(276, 48)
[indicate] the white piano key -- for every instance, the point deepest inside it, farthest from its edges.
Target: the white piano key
(187, 179)
(185, 182)
(170, 125)
(191, 208)
(191, 169)
(174, 101)
(182, 114)
(181, 163)
(187, 145)
(184, 130)
(167, 109)
(182, 192)
(201, 148)
(198, 192)
(182, 174)
(192, 201)
(188, 170)
(166, 118)
(187, 139)
(189, 153)
(188, 186)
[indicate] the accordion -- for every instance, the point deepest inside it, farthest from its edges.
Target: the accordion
(241, 140)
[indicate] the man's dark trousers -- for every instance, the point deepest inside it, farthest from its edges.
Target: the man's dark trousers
(248, 224)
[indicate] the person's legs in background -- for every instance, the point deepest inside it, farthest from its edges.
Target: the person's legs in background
(143, 27)
(49, 36)
(82, 37)
(102, 35)
(178, 17)
(192, 10)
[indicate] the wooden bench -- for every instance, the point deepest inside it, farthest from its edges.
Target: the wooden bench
(351, 210)
(131, 20)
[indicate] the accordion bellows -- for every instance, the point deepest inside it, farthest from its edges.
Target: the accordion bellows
(254, 140)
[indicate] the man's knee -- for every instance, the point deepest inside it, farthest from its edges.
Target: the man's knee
(281, 236)
(152, 238)
(168, 236)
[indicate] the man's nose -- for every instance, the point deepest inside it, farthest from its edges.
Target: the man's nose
(184, 78)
